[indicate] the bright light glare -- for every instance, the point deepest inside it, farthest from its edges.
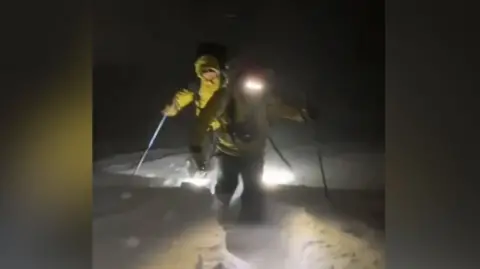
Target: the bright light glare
(254, 85)
(273, 177)
(198, 181)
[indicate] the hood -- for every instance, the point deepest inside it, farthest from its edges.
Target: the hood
(206, 61)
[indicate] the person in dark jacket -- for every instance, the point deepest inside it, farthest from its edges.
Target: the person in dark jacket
(244, 111)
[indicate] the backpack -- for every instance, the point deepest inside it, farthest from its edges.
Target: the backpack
(244, 131)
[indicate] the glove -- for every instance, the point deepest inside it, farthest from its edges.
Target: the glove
(170, 111)
(305, 116)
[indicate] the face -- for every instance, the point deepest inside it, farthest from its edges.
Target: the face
(210, 74)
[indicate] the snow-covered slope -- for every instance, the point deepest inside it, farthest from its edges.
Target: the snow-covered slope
(175, 228)
(345, 169)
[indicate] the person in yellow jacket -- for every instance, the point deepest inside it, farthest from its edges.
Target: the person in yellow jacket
(244, 111)
(211, 78)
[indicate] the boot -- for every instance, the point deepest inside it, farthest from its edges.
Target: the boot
(222, 206)
(252, 212)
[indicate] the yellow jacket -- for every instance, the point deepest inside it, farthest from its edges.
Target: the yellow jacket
(201, 92)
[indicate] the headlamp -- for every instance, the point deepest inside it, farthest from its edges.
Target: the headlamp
(254, 85)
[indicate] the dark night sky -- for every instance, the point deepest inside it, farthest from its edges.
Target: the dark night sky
(334, 50)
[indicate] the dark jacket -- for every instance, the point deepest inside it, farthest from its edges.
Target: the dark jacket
(235, 111)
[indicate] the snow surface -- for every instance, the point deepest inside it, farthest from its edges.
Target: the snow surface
(343, 170)
(137, 226)
(176, 228)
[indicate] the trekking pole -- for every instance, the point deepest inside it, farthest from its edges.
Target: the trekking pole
(318, 150)
(150, 143)
(280, 154)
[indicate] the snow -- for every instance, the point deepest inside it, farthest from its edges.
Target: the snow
(343, 170)
(142, 222)
(172, 228)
